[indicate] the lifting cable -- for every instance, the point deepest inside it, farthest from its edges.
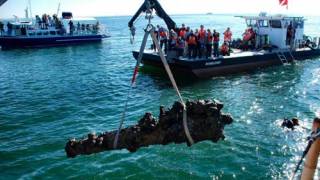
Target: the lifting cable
(150, 31)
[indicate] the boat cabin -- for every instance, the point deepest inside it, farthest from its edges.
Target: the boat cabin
(278, 30)
(18, 28)
(79, 26)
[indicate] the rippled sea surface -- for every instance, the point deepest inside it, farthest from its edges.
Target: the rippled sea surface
(50, 95)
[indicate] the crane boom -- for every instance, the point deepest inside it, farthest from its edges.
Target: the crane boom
(153, 5)
(2, 2)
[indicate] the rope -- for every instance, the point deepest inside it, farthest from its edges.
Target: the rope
(123, 116)
(136, 70)
(134, 77)
(167, 68)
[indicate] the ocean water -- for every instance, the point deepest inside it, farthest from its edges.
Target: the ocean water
(50, 95)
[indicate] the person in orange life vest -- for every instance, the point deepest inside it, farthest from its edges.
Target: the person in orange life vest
(228, 37)
(182, 31)
(201, 41)
(248, 38)
(180, 46)
(216, 39)
(187, 34)
(209, 40)
(247, 35)
(225, 49)
(163, 35)
(173, 37)
(252, 41)
(192, 44)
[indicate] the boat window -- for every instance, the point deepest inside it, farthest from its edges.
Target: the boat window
(52, 33)
(275, 23)
(263, 23)
(45, 33)
(252, 23)
(39, 33)
(31, 33)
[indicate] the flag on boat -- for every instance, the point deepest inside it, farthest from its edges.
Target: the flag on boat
(284, 3)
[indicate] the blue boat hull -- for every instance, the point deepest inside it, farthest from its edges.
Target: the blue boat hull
(7, 42)
(225, 65)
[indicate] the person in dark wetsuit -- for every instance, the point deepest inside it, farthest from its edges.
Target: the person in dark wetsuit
(71, 27)
(290, 124)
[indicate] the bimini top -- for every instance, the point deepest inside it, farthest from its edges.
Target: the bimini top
(264, 16)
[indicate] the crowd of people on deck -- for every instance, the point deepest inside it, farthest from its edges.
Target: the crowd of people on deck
(201, 43)
(46, 21)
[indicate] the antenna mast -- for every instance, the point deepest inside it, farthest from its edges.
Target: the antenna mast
(30, 9)
(58, 10)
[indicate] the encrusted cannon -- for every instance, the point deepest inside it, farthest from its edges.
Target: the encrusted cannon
(205, 122)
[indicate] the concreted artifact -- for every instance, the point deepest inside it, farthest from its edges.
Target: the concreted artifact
(205, 122)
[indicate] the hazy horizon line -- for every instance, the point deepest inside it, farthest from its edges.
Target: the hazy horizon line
(181, 14)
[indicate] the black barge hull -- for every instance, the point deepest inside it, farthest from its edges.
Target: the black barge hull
(225, 65)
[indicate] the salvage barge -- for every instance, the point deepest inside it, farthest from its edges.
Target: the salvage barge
(235, 63)
(270, 46)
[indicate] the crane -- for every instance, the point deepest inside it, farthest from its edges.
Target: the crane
(150, 5)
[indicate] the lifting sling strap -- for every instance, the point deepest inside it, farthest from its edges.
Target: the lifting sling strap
(150, 31)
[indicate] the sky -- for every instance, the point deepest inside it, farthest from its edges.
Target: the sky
(93, 8)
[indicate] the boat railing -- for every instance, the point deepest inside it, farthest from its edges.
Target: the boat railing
(53, 31)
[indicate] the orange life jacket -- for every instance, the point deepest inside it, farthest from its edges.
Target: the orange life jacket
(202, 34)
(182, 33)
(227, 36)
(192, 40)
(163, 34)
(224, 48)
(247, 36)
